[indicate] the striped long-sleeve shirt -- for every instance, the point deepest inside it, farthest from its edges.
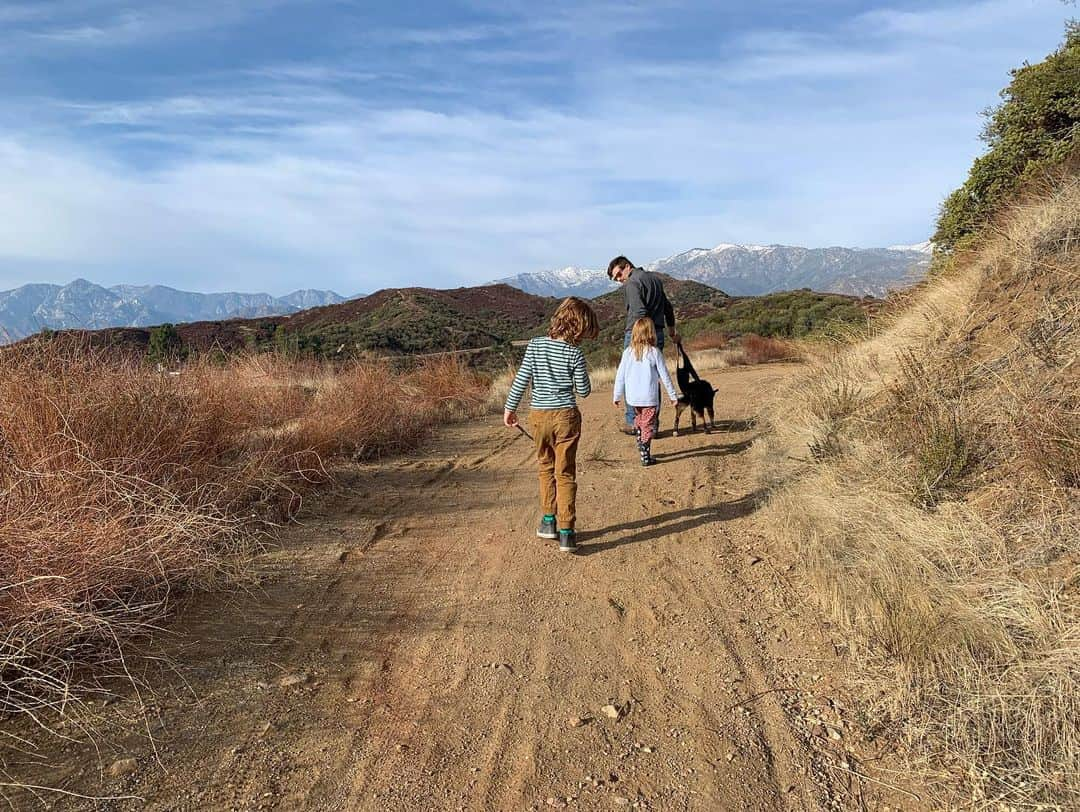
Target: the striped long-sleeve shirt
(557, 371)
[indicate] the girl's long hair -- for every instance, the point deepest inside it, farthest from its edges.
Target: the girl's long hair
(642, 336)
(573, 322)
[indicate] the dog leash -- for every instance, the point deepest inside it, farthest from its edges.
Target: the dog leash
(521, 428)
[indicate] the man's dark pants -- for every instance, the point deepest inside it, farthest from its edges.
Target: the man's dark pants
(629, 408)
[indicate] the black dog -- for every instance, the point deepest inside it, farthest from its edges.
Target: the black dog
(697, 395)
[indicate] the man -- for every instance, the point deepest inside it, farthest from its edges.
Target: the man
(644, 292)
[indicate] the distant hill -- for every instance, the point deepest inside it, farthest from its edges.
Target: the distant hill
(416, 321)
(396, 321)
(754, 270)
(786, 314)
(84, 305)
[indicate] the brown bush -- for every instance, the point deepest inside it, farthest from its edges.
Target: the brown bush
(706, 340)
(121, 486)
(755, 349)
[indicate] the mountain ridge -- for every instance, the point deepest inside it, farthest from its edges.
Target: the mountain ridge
(755, 270)
(81, 304)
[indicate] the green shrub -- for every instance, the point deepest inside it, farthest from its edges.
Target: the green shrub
(1034, 130)
(789, 314)
(165, 344)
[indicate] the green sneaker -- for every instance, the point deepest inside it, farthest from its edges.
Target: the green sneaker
(546, 530)
(567, 541)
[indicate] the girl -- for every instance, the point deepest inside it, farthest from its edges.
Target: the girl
(640, 371)
(556, 368)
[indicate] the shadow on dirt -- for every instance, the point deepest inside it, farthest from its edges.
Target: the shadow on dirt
(667, 524)
(706, 451)
(730, 426)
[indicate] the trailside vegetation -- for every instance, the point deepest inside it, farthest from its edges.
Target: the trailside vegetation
(928, 477)
(1034, 131)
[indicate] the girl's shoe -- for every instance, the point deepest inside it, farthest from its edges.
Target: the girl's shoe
(547, 530)
(646, 453)
(567, 541)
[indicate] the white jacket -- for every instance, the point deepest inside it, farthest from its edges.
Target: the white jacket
(639, 381)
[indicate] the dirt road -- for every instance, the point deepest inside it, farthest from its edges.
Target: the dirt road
(414, 646)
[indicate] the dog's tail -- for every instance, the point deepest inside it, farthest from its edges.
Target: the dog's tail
(687, 365)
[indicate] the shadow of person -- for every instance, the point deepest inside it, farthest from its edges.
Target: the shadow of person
(668, 524)
(715, 450)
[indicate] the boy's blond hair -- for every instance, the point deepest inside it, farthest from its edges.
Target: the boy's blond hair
(642, 336)
(573, 322)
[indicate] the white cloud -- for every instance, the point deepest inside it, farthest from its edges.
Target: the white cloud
(113, 23)
(275, 177)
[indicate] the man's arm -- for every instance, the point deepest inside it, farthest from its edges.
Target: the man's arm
(669, 319)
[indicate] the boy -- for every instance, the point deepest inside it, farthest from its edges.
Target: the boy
(555, 367)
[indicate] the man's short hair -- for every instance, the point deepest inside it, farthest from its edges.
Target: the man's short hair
(618, 263)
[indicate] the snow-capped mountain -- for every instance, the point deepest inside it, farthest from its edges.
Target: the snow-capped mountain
(926, 247)
(752, 270)
(571, 281)
(84, 305)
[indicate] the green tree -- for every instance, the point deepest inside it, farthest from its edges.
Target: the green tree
(1034, 130)
(283, 343)
(165, 344)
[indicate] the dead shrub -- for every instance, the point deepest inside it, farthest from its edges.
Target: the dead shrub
(759, 350)
(706, 340)
(934, 424)
(122, 487)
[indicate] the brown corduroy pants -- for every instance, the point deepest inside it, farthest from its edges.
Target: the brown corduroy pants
(557, 433)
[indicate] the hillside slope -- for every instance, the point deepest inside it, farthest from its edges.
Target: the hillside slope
(414, 321)
(396, 321)
(418, 320)
(929, 478)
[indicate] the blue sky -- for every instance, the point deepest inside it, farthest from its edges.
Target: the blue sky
(354, 145)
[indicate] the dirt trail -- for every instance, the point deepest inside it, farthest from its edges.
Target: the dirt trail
(414, 646)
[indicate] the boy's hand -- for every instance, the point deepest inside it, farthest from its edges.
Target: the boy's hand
(674, 401)
(509, 418)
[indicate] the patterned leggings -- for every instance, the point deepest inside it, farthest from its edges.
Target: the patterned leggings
(643, 419)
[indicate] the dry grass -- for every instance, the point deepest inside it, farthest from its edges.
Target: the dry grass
(121, 487)
(707, 340)
(744, 351)
(603, 376)
(756, 349)
(928, 480)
